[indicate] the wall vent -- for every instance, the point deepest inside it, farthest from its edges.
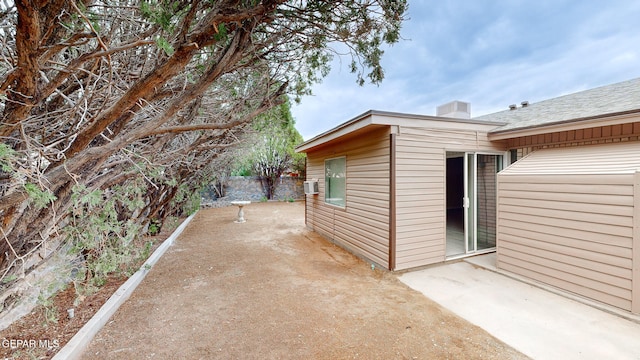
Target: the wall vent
(455, 109)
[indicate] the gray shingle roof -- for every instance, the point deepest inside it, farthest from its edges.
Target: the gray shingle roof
(610, 99)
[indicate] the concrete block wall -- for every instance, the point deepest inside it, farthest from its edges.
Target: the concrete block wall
(249, 188)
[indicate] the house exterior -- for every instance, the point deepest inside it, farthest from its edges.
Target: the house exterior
(553, 187)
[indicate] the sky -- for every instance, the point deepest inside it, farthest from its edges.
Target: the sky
(490, 53)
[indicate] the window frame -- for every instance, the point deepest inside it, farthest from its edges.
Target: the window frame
(341, 204)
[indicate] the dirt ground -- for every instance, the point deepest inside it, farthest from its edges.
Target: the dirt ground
(49, 324)
(271, 289)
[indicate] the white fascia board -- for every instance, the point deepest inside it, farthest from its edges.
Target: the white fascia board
(350, 126)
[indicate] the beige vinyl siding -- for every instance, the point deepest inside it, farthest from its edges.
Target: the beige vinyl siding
(420, 190)
(362, 226)
(566, 218)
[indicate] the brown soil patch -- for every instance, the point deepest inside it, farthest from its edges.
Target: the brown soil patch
(43, 332)
(271, 289)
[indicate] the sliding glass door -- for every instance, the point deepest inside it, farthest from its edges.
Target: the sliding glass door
(479, 196)
(469, 201)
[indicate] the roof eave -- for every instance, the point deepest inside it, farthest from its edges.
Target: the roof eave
(616, 118)
(376, 117)
(342, 129)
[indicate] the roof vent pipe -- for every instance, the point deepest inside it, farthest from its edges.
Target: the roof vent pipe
(512, 107)
(524, 103)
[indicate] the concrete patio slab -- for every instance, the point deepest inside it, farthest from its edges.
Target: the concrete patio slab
(539, 323)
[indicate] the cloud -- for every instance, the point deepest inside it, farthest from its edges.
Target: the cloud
(491, 55)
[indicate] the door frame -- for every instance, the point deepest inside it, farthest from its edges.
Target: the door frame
(470, 201)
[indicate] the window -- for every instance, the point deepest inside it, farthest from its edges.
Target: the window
(335, 171)
(513, 155)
